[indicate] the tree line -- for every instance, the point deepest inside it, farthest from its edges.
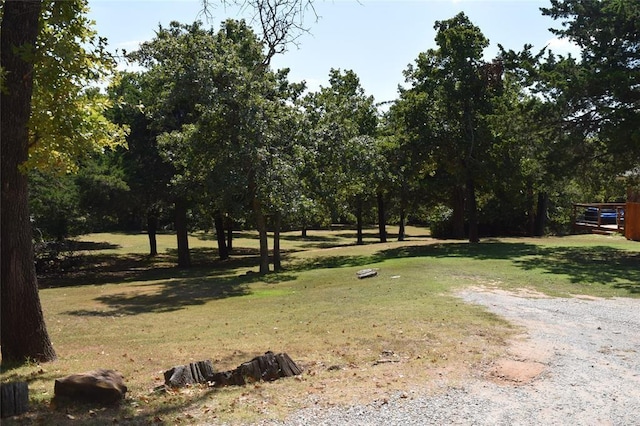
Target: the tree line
(209, 136)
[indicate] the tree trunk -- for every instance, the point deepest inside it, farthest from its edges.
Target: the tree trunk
(229, 223)
(277, 260)
(359, 241)
(403, 218)
(14, 399)
(152, 229)
(382, 220)
(261, 227)
(458, 213)
(304, 231)
(23, 330)
(218, 221)
(184, 257)
(401, 226)
(531, 212)
(541, 214)
(473, 211)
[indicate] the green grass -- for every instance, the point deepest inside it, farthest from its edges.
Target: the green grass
(117, 308)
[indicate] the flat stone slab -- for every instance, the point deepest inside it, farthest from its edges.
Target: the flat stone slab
(366, 273)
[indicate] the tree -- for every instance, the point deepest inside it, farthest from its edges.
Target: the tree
(68, 122)
(221, 118)
(49, 55)
(342, 117)
(54, 206)
(24, 334)
(247, 134)
(281, 21)
(456, 86)
(147, 175)
(604, 93)
(180, 82)
(407, 125)
(587, 107)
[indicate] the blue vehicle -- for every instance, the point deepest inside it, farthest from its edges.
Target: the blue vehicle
(607, 216)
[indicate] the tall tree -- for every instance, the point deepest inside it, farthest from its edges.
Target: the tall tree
(341, 115)
(179, 80)
(24, 334)
(458, 86)
(604, 93)
(146, 174)
(50, 55)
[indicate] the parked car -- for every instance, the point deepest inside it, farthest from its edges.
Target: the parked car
(607, 216)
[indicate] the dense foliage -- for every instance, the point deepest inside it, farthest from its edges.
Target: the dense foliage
(475, 146)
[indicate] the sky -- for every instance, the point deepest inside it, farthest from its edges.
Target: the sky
(376, 39)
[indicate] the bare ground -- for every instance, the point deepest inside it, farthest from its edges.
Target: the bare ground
(578, 362)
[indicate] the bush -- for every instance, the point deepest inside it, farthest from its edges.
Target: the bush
(441, 222)
(53, 257)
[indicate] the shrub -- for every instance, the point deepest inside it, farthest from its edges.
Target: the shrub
(441, 222)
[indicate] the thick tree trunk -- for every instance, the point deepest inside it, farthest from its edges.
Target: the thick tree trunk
(218, 221)
(304, 231)
(541, 214)
(473, 211)
(382, 219)
(458, 213)
(359, 239)
(184, 256)
(277, 259)
(152, 230)
(23, 330)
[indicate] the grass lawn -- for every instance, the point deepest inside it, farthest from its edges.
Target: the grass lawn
(357, 340)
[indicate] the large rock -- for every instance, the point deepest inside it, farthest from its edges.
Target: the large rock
(101, 386)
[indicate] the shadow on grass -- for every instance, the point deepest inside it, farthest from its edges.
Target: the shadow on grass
(210, 279)
(161, 286)
(596, 265)
(211, 236)
(177, 293)
(93, 245)
(593, 265)
(602, 265)
(97, 269)
(158, 408)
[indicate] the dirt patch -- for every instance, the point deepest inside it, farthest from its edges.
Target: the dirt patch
(520, 292)
(512, 371)
(523, 363)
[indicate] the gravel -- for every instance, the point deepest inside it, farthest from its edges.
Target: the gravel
(590, 351)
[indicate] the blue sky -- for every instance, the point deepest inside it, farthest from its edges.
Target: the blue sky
(375, 38)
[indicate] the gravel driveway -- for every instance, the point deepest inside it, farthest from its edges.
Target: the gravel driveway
(579, 365)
